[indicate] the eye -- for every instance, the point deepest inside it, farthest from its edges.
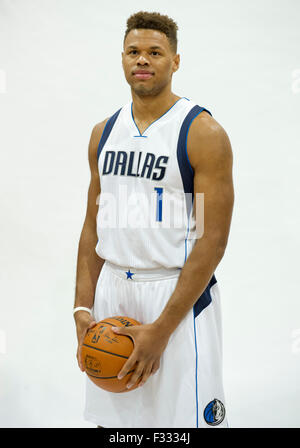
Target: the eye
(155, 53)
(132, 52)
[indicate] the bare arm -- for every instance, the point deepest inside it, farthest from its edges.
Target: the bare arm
(210, 155)
(89, 264)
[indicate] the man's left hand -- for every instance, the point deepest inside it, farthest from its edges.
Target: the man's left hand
(149, 344)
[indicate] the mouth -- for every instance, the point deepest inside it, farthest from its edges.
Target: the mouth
(142, 74)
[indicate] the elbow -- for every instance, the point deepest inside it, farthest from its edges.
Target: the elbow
(214, 247)
(220, 248)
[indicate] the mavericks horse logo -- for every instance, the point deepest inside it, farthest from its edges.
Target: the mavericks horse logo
(214, 413)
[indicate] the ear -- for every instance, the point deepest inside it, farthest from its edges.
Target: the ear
(176, 62)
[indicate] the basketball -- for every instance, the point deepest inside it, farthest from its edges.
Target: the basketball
(104, 353)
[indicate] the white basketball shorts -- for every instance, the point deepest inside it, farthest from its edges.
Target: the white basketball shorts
(187, 389)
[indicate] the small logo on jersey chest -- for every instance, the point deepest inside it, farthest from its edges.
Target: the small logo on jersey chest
(214, 413)
(135, 164)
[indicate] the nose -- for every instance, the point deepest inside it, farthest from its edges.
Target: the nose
(142, 60)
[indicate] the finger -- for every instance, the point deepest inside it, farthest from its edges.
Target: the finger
(122, 330)
(92, 324)
(155, 367)
(81, 363)
(81, 341)
(79, 353)
(79, 360)
(117, 329)
(145, 375)
(138, 372)
(129, 365)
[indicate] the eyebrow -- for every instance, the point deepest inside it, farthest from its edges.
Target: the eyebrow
(153, 47)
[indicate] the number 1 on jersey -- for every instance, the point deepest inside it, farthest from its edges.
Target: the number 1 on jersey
(159, 203)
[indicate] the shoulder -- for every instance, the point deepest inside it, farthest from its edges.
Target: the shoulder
(97, 132)
(98, 128)
(95, 137)
(207, 142)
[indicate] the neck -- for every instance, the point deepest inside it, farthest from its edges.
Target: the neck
(148, 108)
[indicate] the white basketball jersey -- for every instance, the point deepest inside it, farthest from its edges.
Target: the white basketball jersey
(145, 218)
(145, 225)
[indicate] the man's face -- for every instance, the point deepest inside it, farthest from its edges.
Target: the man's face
(148, 61)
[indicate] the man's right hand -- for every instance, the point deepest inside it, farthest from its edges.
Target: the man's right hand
(84, 321)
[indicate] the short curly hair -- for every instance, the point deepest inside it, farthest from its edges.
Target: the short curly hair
(154, 21)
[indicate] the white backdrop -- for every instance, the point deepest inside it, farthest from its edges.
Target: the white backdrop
(60, 74)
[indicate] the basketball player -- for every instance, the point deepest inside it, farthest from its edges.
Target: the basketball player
(158, 149)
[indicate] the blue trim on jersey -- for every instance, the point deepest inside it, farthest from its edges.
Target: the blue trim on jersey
(196, 374)
(106, 132)
(186, 170)
(203, 301)
(141, 134)
(205, 298)
(195, 338)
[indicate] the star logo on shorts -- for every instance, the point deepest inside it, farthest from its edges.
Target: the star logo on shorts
(129, 274)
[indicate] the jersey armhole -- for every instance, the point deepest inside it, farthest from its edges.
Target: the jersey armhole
(106, 131)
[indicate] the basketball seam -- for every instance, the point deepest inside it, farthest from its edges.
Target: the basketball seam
(104, 322)
(105, 351)
(108, 377)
